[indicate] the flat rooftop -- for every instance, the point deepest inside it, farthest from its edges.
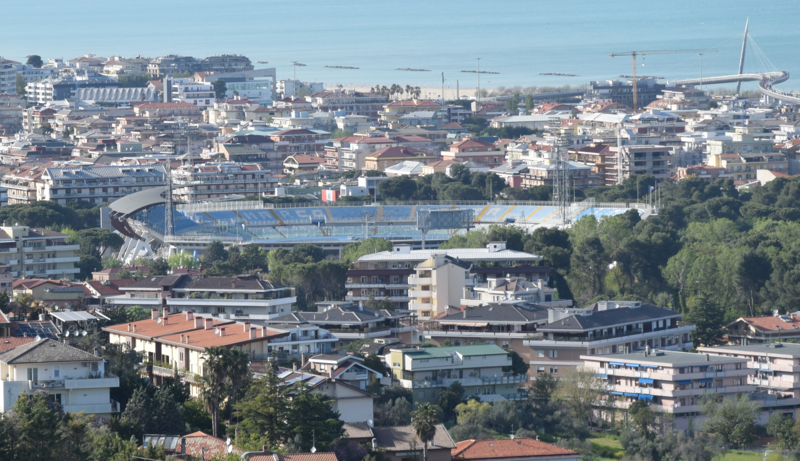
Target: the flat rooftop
(664, 358)
(776, 349)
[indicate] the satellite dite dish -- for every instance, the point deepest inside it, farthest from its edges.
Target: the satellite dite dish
(84, 333)
(216, 331)
(230, 448)
(66, 334)
(37, 338)
(159, 320)
(228, 441)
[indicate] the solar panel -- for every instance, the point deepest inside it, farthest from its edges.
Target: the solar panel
(44, 330)
(77, 316)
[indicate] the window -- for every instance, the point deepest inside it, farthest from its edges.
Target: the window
(539, 369)
(737, 382)
(181, 356)
(421, 394)
(553, 370)
(738, 366)
(323, 367)
(33, 374)
(553, 353)
(56, 372)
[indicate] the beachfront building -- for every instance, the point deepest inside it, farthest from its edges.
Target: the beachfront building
(670, 382)
(394, 110)
(428, 371)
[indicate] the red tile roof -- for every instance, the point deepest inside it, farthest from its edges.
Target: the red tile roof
(772, 323)
(394, 152)
(234, 333)
(215, 447)
(10, 342)
(294, 457)
(472, 143)
(166, 105)
(507, 449)
(149, 328)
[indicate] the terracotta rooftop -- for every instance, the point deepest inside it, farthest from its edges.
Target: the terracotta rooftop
(150, 328)
(10, 342)
(507, 449)
(215, 447)
(773, 323)
(328, 456)
(225, 335)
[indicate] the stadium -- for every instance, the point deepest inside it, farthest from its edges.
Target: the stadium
(141, 218)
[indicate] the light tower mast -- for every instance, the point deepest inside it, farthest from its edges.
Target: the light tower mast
(168, 149)
(561, 180)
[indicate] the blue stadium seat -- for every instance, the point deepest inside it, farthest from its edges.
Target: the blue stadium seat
(397, 213)
(353, 213)
(296, 215)
(224, 217)
(260, 217)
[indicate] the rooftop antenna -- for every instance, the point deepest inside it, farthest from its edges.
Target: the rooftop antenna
(741, 58)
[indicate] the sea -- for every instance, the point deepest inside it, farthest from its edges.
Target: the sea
(516, 40)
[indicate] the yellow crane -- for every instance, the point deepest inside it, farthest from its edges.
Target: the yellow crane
(633, 55)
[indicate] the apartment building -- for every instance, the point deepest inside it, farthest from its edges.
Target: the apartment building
(743, 168)
(385, 274)
(439, 282)
(652, 160)
(75, 379)
(350, 322)
(213, 180)
(349, 369)
(351, 152)
(390, 156)
(394, 110)
(243, 296)
(350, 101)
(8, 76)
(428, 371)
(474, 150)
(172, 64)
(300, 140)
(671, 382)
(35, 252)
(94, 184)
(11, 110)
(499, 289)
(354, 404)
(200, 94)
(607, 327)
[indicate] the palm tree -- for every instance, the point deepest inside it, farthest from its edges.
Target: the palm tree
(424, 420)
(238, 365)
(213, 383)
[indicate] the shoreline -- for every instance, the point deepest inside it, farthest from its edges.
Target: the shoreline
(427, 91)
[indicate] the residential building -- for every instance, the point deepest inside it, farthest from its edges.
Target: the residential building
(386, 274)
(267, 455)
(291, 88)
(196, 93)
(394, 110)
(754, 330)
(428, 371)
(12, 108)
(59, 88)
(709, 173)
(513, 449)
(53, 294)
(607, 327)
(354, 404)
(652, 160)
(300, 140)
(541, 165)
(670, 382)
(303, 163)
(167, 109)
(8, 76)
(243, 295)
(172, 64)
(214, 180)
(94, 184)
(350, 322)
(401, 443)
(224, 63)
(743, 168)
(439, 282)
(349, 369)
(36, 252)
(506, 288)
(408, 168)
(774, 369)
(391, 156)
(532, 122)
(75, 379)
(352, 102)
(744, 139)
(474, 150)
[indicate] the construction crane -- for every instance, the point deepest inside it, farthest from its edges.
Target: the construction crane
(633, 55)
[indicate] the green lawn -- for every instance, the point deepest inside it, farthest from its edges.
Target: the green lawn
(735, 455)
(606, 447)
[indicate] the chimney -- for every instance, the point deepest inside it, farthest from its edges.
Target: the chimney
(134, 328)
(294, 366)
(198, 322)
(165, 320)
(181, 337)
(464, 313)
(189, 316)
(252, 333)
(222, 332)
(187, 339)
(246, 326)
(708, 359)
(209, 324)
(263, 332)
(153, 314)
(129, 327)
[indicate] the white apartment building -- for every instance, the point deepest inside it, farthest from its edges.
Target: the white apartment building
(74, 378)
(498, 289)
(94, 184)
(286, 88)
(198, 93)
(670, 382)
(32, 252)
(439, 282)
(8, 76)
(212, 180)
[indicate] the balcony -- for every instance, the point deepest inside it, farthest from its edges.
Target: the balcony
(62, 248)
(414, 280)
(66, 270)
(468, 381)
(420, 293)
(98, 408)
(70, 259)
(108, 381)
(200, 302)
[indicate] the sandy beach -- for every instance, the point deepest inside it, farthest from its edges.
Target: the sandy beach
(427, 92)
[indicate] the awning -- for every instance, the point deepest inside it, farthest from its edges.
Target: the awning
(615, 393)
(765, 371)
(634, 365)
(655, 367)
(621, 364)
(629, 394)
(685, 381)
(706, 380)
(645, 397)
(645, 380)
(602, 376)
